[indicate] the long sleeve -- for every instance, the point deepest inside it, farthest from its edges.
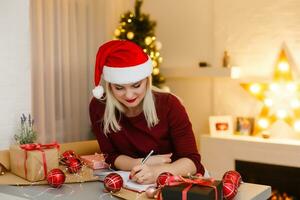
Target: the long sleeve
(182, 135)
(173, 133)
(96, 114)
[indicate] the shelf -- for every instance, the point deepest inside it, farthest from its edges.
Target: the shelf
(283, 141)
(228, 149)
(180, 72)
(234, 72)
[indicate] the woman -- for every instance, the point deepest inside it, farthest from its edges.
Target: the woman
(132, 119)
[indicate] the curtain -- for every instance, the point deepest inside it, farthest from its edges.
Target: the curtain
(65, 36)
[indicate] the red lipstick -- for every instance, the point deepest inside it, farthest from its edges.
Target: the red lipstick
(131, 100)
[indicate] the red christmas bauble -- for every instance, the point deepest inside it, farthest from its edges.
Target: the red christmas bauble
(66, 155)
(113, 182)
(163, 178)
(233, 176)
(231, 181)
(73, 165)
(229, 190)
(69, 153)
(56, 178)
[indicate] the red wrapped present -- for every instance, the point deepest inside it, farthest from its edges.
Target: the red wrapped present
(180, 188)
(96, 161)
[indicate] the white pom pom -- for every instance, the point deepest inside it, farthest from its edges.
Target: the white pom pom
(98, 92)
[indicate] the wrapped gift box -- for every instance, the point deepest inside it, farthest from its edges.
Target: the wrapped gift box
(96, 161)
(33, 163)
(197, 192)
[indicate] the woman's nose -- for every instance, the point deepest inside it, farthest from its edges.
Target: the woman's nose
(129, 94)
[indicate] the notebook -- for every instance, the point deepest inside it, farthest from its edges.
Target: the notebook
(127, 183)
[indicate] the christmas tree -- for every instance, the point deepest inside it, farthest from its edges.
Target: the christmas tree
(138, 27)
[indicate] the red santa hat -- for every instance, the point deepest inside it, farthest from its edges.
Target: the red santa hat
(120, 62)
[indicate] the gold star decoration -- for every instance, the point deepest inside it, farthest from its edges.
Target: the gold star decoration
(280, 97)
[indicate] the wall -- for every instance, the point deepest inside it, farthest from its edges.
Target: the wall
(185, 31)
(14, 67)
(253, 32)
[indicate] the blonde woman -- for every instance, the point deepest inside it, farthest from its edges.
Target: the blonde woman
(130, 119)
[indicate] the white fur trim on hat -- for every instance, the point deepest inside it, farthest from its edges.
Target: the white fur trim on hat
(128, 74)
(98, 92)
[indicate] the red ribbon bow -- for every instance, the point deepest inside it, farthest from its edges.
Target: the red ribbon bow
(199, 180)
(38, 147)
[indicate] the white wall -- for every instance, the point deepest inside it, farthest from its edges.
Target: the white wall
(14, 67)
(185, 29)
(253, 32)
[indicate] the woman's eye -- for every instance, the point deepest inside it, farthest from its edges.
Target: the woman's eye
(137, 85)
(118, 88)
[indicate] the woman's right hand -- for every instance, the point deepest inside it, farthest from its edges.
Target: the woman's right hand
(159, 159)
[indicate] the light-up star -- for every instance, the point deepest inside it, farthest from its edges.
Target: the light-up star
(281, 97)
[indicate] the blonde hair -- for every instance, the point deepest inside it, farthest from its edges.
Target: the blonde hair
(110, 121)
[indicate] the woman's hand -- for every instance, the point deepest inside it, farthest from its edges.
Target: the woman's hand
(143, 174)
(159, 159)
(147, 174)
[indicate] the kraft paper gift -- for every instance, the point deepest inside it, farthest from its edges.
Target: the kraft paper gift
(33, 161)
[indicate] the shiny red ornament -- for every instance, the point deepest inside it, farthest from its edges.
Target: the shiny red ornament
(113, 182)
(231, 181)
(66, 155)
(233, 176)
(73, 165)
(56, 178)
(229, 190)
(163, 178)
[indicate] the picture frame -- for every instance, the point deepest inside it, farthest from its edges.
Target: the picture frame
(221, 125)
(244, 125)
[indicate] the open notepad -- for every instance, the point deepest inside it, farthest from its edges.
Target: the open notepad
(127, 183)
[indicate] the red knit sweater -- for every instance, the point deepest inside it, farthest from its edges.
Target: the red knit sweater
(173, 133)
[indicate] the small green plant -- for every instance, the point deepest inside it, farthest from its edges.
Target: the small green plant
(27, 135)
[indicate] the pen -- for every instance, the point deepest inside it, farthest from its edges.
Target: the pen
(148, 156)
(145, 159)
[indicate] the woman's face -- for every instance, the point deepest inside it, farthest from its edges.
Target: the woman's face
(131, 94)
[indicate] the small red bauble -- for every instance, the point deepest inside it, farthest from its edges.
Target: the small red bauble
(73, 165)
(231, 181)
(163, 178)
(113, 182)
(66, 155)
(229, 190)
(234, 176)
(56, 178)
(69, 153)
